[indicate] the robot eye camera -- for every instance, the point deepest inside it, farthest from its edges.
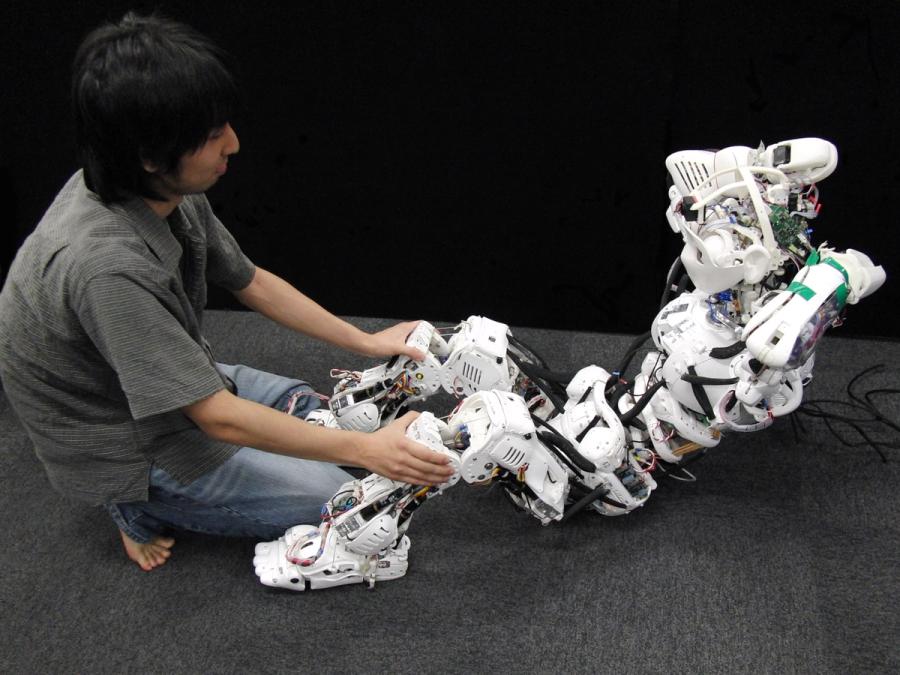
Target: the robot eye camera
(803, 160)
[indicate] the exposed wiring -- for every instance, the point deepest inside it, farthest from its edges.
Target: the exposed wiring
(297, 395)
(640, 457)
(338, 373)
(859, 414)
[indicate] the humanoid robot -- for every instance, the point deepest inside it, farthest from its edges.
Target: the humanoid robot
(732, 354)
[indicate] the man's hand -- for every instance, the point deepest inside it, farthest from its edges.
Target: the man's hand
(390, 453)
(392, 341)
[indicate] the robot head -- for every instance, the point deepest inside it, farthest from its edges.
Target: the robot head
(740, 211)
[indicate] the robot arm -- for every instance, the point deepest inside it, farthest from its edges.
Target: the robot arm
(785, 329)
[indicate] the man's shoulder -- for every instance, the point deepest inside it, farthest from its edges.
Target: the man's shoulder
(82, 236)
(78, 216)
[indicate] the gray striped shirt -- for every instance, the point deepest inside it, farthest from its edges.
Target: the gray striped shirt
(100, 341)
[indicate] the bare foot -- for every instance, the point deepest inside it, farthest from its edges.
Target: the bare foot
(150, 555)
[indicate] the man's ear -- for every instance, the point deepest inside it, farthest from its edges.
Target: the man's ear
(148, 164)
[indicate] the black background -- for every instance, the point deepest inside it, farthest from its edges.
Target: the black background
(436, 160)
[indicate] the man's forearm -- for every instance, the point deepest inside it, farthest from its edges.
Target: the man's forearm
(228, 418)
(388, 451)
(276, 299)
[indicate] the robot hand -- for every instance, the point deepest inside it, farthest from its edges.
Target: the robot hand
(361, 536)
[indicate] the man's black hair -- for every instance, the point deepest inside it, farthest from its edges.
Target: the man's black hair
(146, 89)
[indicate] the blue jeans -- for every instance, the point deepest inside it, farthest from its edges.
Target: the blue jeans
(253, 494)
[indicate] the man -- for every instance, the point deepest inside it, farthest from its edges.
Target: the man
(101, 353)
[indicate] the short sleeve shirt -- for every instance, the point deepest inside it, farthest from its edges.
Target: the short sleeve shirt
(101, 343)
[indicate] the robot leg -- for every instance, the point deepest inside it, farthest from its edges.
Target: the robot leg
(474, 358)
(361, 537)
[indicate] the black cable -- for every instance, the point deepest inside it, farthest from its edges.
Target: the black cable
(597, 494)
(681, 466)
(612, 400)
(815, 408)
(699, 392)
(727, 352)
(590, 425)
(796, 427)
(566, 446)
(867, 403)
(691, 378)
(526, 350)
(613, 392)
(625, 418)
(637, 424)
(543, 373)
(548, 387)
(642, 403)
(549, 440)
(676, 268)
(615, 395)
(630, 352)
(538, 371)
(875, 409)
(682, 285)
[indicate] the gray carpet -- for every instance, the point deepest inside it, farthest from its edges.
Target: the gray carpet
(782, 557)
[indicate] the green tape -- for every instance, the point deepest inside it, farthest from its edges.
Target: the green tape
(840, 268)
(842, 291)
(804, 292)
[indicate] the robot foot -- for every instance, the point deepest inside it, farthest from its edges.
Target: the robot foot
(270, 562)
(274, 569)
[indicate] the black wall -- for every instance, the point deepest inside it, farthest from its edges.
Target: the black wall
(443, 159)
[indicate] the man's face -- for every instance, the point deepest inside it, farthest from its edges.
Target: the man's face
(199, 170)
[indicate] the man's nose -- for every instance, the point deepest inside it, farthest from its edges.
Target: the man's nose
(232, 144)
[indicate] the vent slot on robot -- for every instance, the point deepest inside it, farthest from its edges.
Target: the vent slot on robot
(693, 174)
(513, 457)
(472, 373)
